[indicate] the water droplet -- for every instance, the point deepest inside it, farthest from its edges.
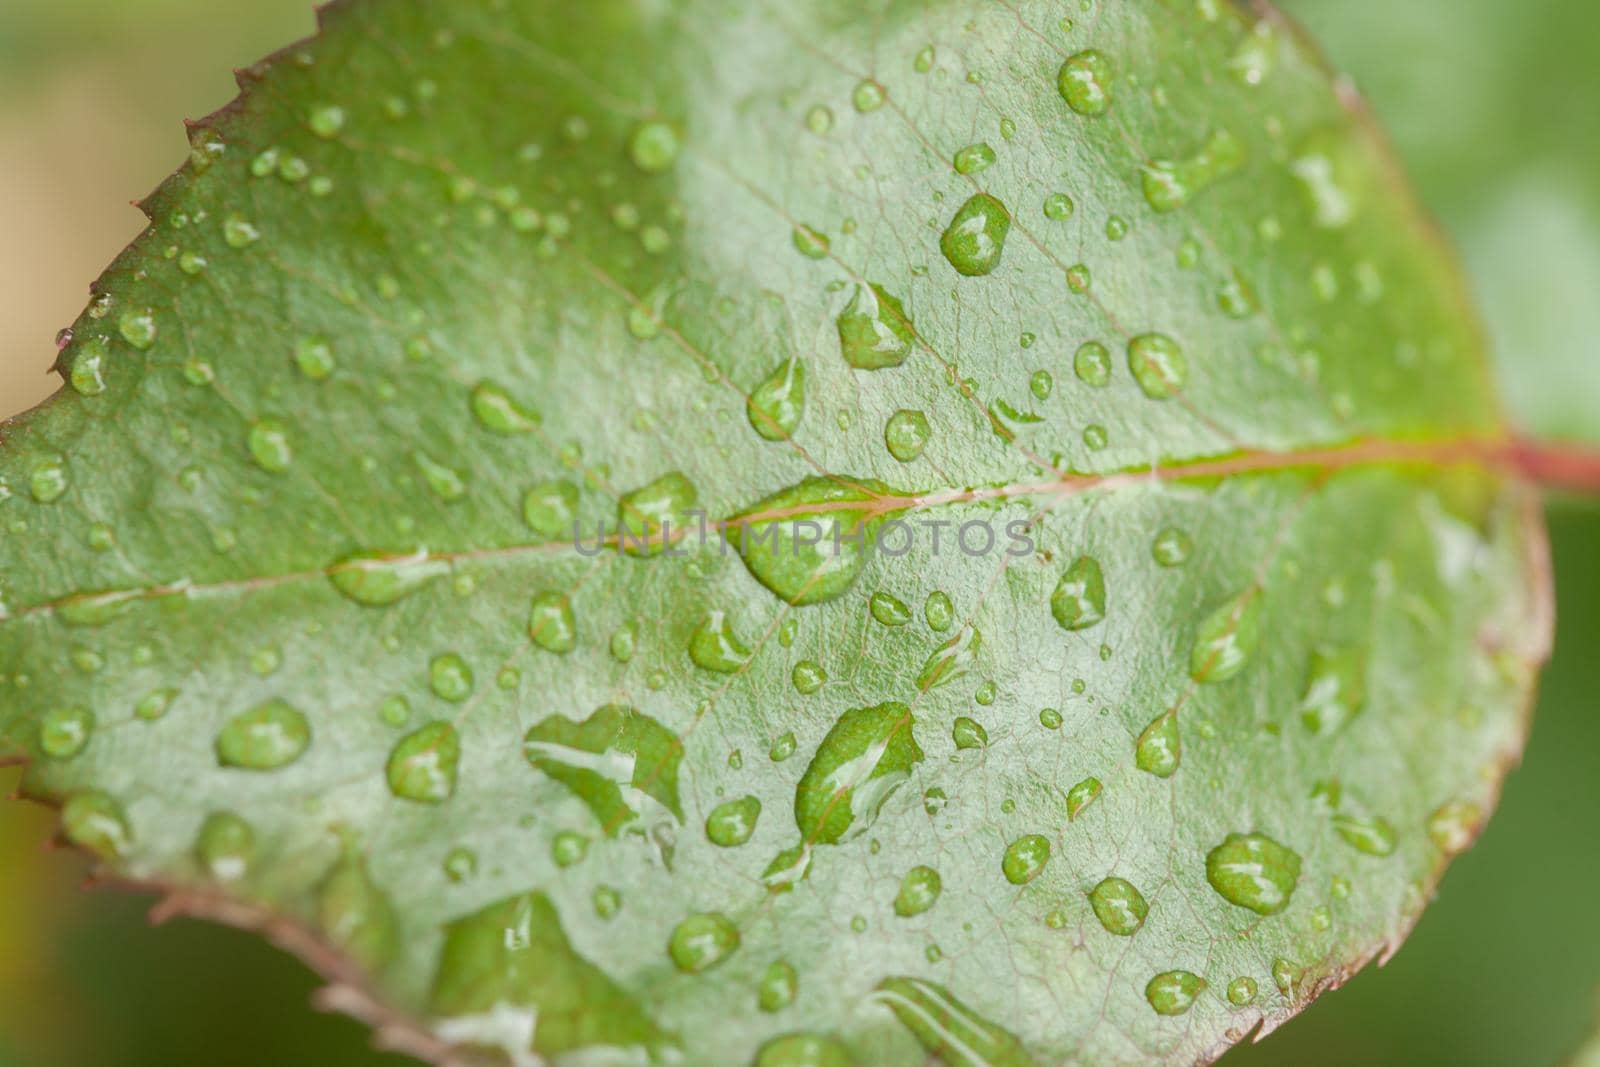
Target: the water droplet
(422, 766)
(619, 762)
(607, 901)
(550, 509)
(731, 823)
(819, 543)
(1174, 992)
(868, 96)
(811, 243)
(1050, 718)
(551, 623)
(1092, 364)
(803, 1050)
(154, 704)
(1058, 207)
(265, 738)
(94, 821)
(1084, 82)
(715, 647)
(951, 660)
(939, 611)
(1226, 639)
(976, 237)
(1252, 61)
(919, 891)
(651, 515)
(356, 914)
(88, 364)
(867, 754)
(225, 846)
(447, 483)
(314, 357)
(923, 61)
(1370, 834)
(450, 677)
(906, 434)
(1319, 168)
(239, 233)
(460, 864)
(947, 1029)
(1241, 991)
(1236, 298)
(1170, 184)
(1285, 976)
(1253, 871)
(969, 733)
(376, 580)
(776, 405)
(138, 327)
(973, 158)
(1158, 365)
(1079, 600)
(819, 120)
(1336, 690)
(653, 146)
(269, 446)
(495, 409)
(888, 610)
(1453, 826)
(1172, 547)
(1025, 859)
(326, 121)
(874, 330)
(1081, 796)
(779, 985)
(782, 748)
(1041, 384)
(1158, 750)
(1119, 906)
(64, 732)
(702, 941)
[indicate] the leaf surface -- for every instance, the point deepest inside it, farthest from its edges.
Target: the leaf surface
(792, 534)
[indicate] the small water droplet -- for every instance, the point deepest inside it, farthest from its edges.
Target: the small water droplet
(93, 820)
(550, 509)
(551, 623)
(653, 147)
(973, 158)
(715, 647)
(1119, 906)
(1227, 639)
(939, 611)
(702, 941)
(1172, 547)
(138, 327)
(889, 610)
(1336, 690)
(868, 96)
(1370, 834)
(225, 846)
(1025, 859)
(495, 409)
(906, 434)
(450, 677)
(1453, 826)
(813, 244)
(779, 985)
(731, 823)
(1174, 992)
(1079, 600)
(269, 446)
(65, 732)
(777, 404)
(1241, 991)
(326, 121)
(919, 891)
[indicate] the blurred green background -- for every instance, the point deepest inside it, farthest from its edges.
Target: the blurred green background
(1495, 108)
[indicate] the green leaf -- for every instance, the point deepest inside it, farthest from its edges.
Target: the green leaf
(527, 428)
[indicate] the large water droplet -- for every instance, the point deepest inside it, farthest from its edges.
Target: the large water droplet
(976, 237)
(715, 647)
(1079, 600)
(621, 763)
(265, 738)
(1253, 871)
(816, 547)
(652, 514)
(375, 579)
(865, 757)
(952, 660)
(888, 610)
(874, 330)
(1081, 795)
(496, 409)
(906, 434)
(422, 766)
(1158, 365)
(1226, 639)
(1158, 750)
